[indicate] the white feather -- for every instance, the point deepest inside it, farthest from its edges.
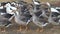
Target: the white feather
(45, 24)
(54, 10)
(9, 7)
(59, 20)
(9, 11)
(2, 13)
(57, 8)
(13, 8)
(1, 7)
(13, 3)
(36, 3)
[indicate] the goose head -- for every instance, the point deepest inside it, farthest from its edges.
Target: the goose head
(48, 4)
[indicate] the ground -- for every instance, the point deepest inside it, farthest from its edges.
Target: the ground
(32, 30)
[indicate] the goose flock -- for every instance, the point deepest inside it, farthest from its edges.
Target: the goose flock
(41, 14)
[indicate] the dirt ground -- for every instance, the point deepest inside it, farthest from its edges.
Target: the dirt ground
(13, 30)
(32, 29)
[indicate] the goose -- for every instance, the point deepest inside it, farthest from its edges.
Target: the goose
(22, 19)
(3, 13)
(53, 20)
(10, 10)
(39, 21)
(4, 23)
(52, 9)
(55, 13)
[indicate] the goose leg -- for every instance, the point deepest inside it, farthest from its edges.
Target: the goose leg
(2, 29)
(40, 30)
(20, 28)
(27, 24)
(26, 28)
